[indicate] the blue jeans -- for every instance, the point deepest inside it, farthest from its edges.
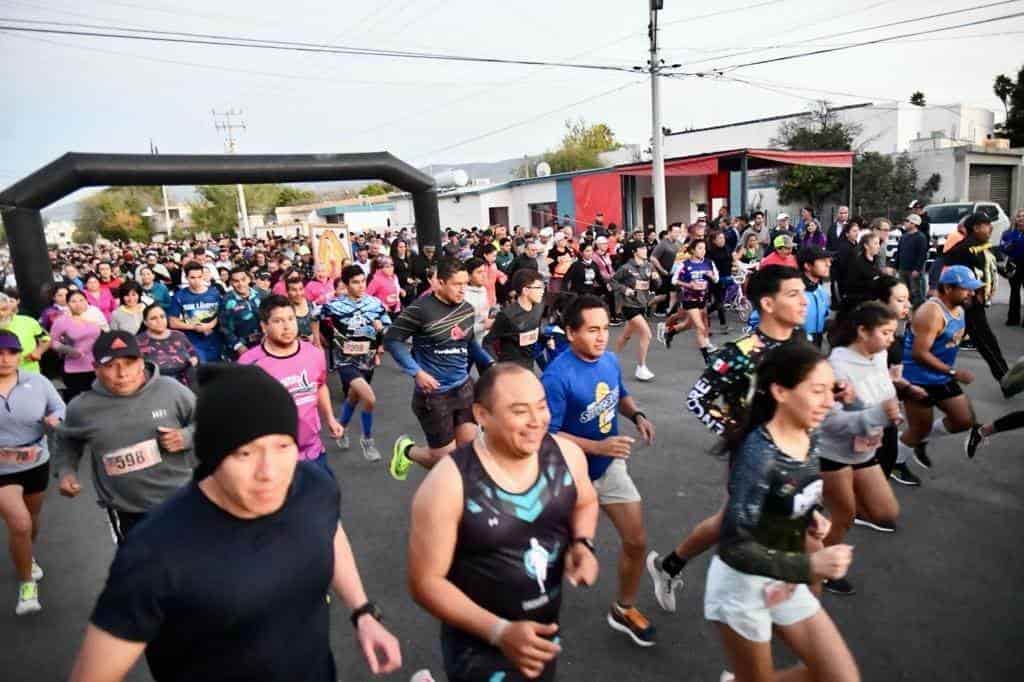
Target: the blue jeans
(321, 462)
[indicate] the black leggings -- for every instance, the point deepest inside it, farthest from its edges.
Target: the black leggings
(1009, 422)
(77, 382)
(718, 301)
(984, 340)
(886, 453)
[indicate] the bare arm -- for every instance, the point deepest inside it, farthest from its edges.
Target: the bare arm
(346, 581)
(927, 325)
(104, 657)
(584, 514)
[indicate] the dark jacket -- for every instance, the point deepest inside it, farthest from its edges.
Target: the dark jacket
(860, 276)
(912, 252)
(584, 278)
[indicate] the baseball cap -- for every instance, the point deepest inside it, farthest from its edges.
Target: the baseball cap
(916, 203)
(960, 276)
(10, 341)
(783, 241)
(782, 216)
(115, 344)
(809, 254)
(546, 232)
(914, 218)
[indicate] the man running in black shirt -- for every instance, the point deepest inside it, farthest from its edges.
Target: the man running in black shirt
(495, 527)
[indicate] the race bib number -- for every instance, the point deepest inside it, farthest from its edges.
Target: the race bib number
(26, 455)
(132, 458)
(392, 298)
(356, 347)
(642, 285)
(529, 338)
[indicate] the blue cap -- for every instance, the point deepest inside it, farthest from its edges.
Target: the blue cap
(960, 276)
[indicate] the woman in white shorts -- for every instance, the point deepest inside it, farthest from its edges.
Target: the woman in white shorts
(759, 580)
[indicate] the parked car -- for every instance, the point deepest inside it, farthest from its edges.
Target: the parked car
(944, 219)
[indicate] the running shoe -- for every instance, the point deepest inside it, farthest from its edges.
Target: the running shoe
(726, 676)
(660, 330)
(968, 345)
(643, 374)
(343, 443)
(665, 585)
(880, 526)
(617, 322)
(711, 348)
(669, 335)
(841, 586)
(902, 474)
(660, 314)
(921, 455)
(400, 464)
(370, 451)
(28, 599)
(1013, 382)
(975, 439)
(37, 570)
(633, 623)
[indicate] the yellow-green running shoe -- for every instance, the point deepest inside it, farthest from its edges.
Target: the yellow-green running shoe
(400, 464)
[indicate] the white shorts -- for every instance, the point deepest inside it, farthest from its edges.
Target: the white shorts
(737, 599)
(616, 486)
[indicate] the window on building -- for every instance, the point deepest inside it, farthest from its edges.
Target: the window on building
(543, 214)
(498, 215)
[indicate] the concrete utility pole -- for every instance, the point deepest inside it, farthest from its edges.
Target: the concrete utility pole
(222, 122)
(657, 134)
(163, 190)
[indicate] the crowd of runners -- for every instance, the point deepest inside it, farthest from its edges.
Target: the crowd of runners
(194, 378)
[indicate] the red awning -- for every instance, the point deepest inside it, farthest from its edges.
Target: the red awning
(693, 165)
(710, 164)
(832, 159)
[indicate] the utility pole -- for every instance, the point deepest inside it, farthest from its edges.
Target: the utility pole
(163, 190)
(657, 134)
(223, 123)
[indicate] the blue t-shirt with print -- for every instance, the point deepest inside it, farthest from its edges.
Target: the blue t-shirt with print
(189, 306)
(583, 398)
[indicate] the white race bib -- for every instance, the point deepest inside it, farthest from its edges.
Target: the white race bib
(356, 347)
(529, 338)
(132, 458)
(642, 285)
(20, 456)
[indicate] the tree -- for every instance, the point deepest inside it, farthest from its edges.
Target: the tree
(917, 99)
(115, 213)
(376, 189)
(819, 129)
(216, 211)
(884, 184)
(1012, 92)
(3, 233)
(581, 146)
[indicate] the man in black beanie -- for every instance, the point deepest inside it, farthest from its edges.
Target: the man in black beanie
(226, 580)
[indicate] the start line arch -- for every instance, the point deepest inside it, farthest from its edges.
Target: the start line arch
(21, 203)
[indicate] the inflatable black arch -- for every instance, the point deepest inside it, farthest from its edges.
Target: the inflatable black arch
(21, 203)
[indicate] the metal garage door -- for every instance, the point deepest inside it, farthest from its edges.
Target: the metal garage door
(991, 183)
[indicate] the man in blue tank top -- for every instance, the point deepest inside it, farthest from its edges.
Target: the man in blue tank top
(930, 349)
(495, 528)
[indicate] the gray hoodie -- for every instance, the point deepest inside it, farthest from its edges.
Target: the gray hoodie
(851, 433)
(130, 471)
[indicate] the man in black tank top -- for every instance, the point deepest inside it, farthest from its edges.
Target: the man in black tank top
(495, 528)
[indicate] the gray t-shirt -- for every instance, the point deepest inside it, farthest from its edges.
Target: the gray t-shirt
(665, 253)
(22, 438)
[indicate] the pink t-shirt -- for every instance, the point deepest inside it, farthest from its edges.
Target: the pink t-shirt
(81, 334)
(386, 290)
(104, 301)
(302, 373)
(319, 292)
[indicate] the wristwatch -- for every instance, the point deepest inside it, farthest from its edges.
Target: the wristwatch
(951, 372)
(586, 542)
(369, 608)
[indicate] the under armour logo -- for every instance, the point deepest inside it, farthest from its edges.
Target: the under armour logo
(493, 521)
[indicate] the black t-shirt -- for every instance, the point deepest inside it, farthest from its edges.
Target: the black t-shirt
(515, 333)
(222, 598)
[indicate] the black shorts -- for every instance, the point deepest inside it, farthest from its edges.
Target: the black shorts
(940, 392)
(629, 312)
(441, 413)
(694, 305)
(468, 659)
(349, 373)
(121, 523)
(831, 465)
(32, 480)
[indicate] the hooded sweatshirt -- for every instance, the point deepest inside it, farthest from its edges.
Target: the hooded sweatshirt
(130, 471)
(852, 433)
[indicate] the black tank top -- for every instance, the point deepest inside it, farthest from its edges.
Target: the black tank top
(510, 551)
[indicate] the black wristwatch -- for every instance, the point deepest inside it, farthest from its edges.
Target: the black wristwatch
(637, 415)
(586, 542)
(369, 608)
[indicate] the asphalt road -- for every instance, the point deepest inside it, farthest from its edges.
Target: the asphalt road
(938, 600)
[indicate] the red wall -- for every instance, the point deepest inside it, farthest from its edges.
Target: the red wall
(600, 192)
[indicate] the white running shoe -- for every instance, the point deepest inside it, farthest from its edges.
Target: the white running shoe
(665, 586)
(727, 676)
(711, 348)
(342, 442)
(422, 676)
(37, 570)
(643, 374)
(370, 451)
(28, 599)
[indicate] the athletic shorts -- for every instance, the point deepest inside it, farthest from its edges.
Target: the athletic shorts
(940, 392)
(121, 523)
(738, 600)
(694, 305)
(439, 414)
(349, 373)
(616, 485)
(832, 465)
(629, 312)
(32, 480)
(468, 659)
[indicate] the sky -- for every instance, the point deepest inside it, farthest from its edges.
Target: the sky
(74, 93)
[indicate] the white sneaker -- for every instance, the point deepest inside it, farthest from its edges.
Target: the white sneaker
(342, 442)
(28, 599)
(711, 348)
(370, 451)
(37, 570)
(665, 586)
(727, 676)
(643, 374)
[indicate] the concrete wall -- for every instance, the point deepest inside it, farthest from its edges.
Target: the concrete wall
(943, 162)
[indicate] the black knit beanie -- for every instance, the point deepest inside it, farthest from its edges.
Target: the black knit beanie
(238, 404)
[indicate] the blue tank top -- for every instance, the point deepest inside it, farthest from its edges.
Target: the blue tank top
(945, 348)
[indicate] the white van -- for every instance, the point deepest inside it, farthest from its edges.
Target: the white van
(944, 219)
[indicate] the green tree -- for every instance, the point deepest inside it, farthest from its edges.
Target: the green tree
(581, 146)
(293, 196)
(216, 211)
(3, 233)
(115, 213)
(917, 99)
(376, 189)
(1012, 95)
(819, 129)
(884, 185)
